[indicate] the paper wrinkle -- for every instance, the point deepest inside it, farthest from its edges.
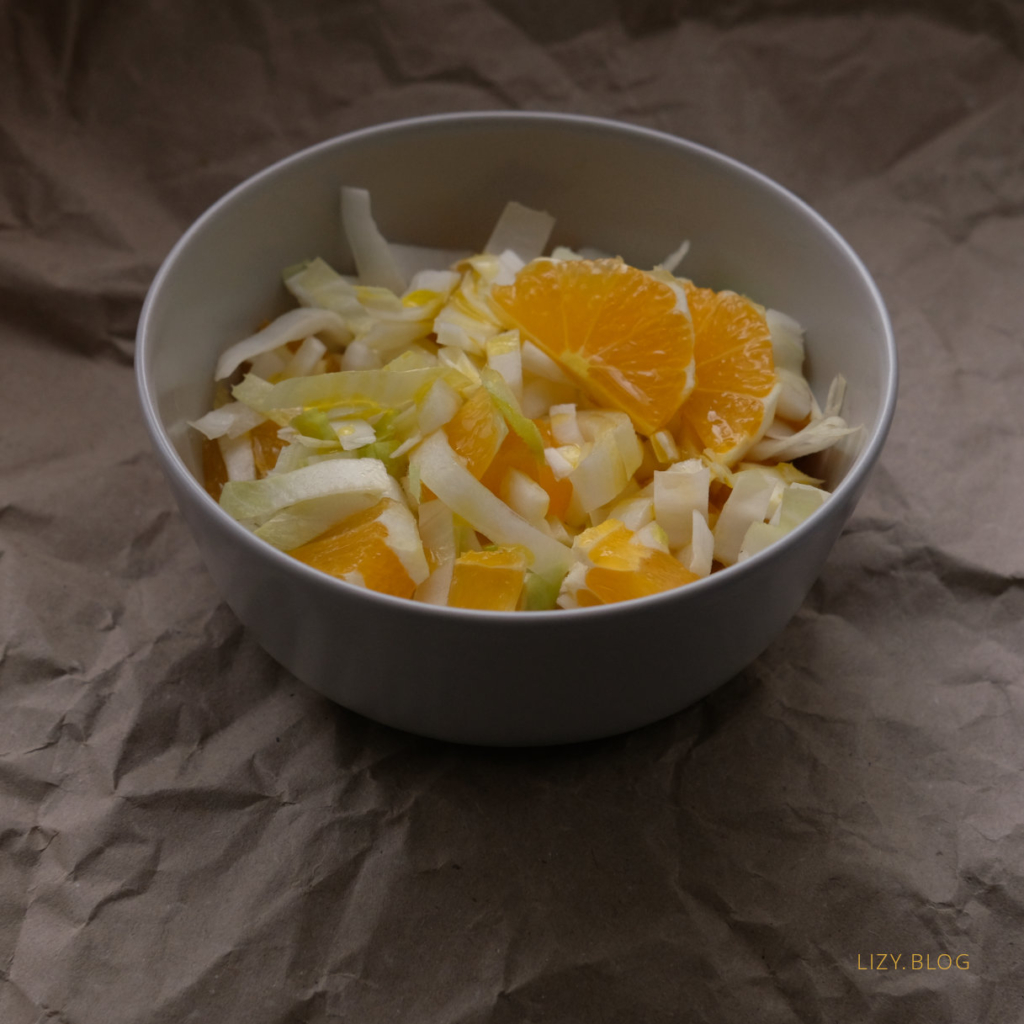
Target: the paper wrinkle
(969, 172)
(505, 63)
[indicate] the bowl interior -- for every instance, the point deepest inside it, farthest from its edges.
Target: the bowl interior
(443, 181)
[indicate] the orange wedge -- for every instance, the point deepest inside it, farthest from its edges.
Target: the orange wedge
(215, 471)
(357, 550)
(514, 453)
(476, 431)
(734, 399)
(621, 333)
(623, 570)
(266, 446)
(488, 580)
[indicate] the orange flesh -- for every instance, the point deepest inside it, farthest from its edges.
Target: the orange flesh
(215, 472)
(266, 446)
(488, 580)
(615, 329)
(735, 372)
(515, 454)
(624, 571)
(476, 432)
(359, 545)
(656, 573)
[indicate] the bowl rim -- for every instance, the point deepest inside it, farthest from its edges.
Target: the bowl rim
(172, 462)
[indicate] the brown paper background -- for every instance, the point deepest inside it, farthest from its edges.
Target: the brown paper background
(187, 834)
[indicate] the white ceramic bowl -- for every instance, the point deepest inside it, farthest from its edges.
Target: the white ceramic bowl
(513, 678)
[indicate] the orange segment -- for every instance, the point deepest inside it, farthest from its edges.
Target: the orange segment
(736, 389)
(266, 446)
(357, 550)
(656, 573)
(622, 570)
(215, 471)
(488, 580)
(515, 454)
(622, 334)
(476, 431)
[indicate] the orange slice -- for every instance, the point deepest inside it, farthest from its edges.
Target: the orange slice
(215, 471)
(623, 570)
(488, 580)
(357, 550)
(734, 399)
(622, 334)
(266, 446)
(476, 431)
(514, 453)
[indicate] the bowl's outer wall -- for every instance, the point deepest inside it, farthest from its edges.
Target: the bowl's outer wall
(443, 181)
(514, 679)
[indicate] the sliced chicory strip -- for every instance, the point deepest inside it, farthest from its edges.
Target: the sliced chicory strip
(314, 423)
(437, 529)
(305, 358)
(501, 394)
(319, 285)
(403, 538)
(428, 282)
(504, 356)
(257, 500)
(386, 389)
(389, 337)
(540, 593)
(680, 491)
(376, 263)
(540, 364)
(295, 325)
(795, 398)
(460, 325)
(413, 260)
(359, 356)
(698, 555)
(300, 523)
(229, 420)
(565, 428)
(525, 496)
(600, 476)
(836, 395)
(674, 258)
(384, 303)
(271, 364)
(239, 462)
(595, 422)
(787, 341)
(799, 501)
(748, 503)
(354, 434)
(524, 231)
(439, 469)
(434, 589)
(815, 437)
(255, 392)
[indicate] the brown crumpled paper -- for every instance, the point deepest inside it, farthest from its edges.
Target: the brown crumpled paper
(188, 834)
